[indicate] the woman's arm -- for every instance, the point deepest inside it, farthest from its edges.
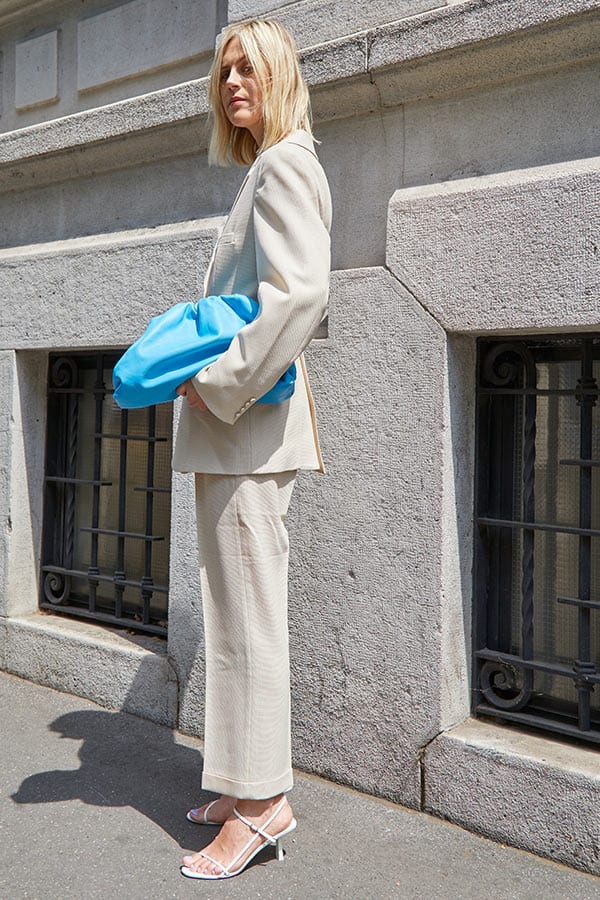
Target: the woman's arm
(290, 218)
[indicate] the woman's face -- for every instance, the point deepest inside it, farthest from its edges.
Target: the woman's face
(241, 95)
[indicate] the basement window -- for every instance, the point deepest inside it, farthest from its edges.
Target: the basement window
(107, 502)
(537, 581)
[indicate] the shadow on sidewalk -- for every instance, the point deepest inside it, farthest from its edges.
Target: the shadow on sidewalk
(125, 761)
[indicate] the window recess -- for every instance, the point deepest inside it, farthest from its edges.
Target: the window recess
(537, 572)
(105, 547)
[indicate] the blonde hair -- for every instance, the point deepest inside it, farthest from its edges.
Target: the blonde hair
(271, 51)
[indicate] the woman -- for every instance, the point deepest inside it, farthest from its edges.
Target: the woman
(274, 247)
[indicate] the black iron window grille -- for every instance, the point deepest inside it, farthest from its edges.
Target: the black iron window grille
(105, 547)
(537, 580)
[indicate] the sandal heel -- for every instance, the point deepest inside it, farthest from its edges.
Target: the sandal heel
(279, 850)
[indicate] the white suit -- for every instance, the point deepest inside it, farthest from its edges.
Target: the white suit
(275, 248)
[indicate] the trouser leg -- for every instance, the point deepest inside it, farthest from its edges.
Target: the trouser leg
(244, 565)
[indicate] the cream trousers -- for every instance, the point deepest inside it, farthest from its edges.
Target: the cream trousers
(243, 546)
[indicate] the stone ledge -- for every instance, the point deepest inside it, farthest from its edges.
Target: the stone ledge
(463, 24)
(135, 274)
(426, 54)
(110, 667)
(144, 113)
(17, 9)
(517, 251)
(531, 792)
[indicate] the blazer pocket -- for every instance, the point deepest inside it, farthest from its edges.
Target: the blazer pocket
(226, 238)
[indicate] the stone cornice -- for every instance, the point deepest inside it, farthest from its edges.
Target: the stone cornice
(444, 50)
(11, 10)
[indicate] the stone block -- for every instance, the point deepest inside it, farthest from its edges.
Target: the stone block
(186, 633)
(22, 440)
(26, 483)
(36, 70)
(45, 150)
(134, 276)
(316, 21)
(3, 642)
(504, 127)
(246, 9)
(368, 631)
(115, 669)
(359, 230)
(136, 198)
(7, 399)
(141, 36)
(452, 25)
(505, 252)
(530, 792)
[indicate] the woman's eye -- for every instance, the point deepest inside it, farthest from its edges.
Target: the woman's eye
(247, 70)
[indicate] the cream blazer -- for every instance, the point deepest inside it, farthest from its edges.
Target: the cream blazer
(274, 247)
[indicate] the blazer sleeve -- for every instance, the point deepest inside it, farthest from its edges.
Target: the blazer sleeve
(290, 220)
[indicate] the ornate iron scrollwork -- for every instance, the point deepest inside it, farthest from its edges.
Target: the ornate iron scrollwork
(64, 372)
(504, 363)
(57, 587)
(504, 685)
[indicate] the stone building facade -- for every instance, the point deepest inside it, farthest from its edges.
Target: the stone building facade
(462, 144)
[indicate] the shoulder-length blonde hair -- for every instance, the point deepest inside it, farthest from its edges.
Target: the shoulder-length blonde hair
(271, 51)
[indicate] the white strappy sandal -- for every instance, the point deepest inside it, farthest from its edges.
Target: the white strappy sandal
(268, 839)
(204, 820)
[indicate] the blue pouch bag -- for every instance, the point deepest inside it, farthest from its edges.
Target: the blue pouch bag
(179, 343)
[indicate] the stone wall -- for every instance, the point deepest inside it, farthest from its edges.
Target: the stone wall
(462, 145)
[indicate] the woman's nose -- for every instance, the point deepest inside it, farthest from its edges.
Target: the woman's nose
(233, 80)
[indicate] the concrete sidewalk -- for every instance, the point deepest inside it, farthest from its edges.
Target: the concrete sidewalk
(93, 805)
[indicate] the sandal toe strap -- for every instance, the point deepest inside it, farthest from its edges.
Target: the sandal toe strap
(214, 861)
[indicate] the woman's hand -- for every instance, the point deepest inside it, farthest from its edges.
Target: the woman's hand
(194, 399)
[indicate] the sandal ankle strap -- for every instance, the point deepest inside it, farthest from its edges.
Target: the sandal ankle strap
(261, 829)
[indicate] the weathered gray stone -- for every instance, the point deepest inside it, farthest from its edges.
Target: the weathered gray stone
(420, 69)
(19, 593)
(186, 634)
(66, 16)
(424, 55)
(367, 546)
(115, 669)
(127, 117)
(316, 21)
(142, 35)
(146, 197)
(135, 275)
(503, 127)
(361, 188)
(462, 24)
(455, 603)
(350, 54)
(246, 9)
(3, 642)
(13, 9)
(22, 436)
(523, 790)
(36, 63)
(516, 251)
(7, 400)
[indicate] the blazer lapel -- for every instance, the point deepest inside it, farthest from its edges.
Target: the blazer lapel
(233, 205)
